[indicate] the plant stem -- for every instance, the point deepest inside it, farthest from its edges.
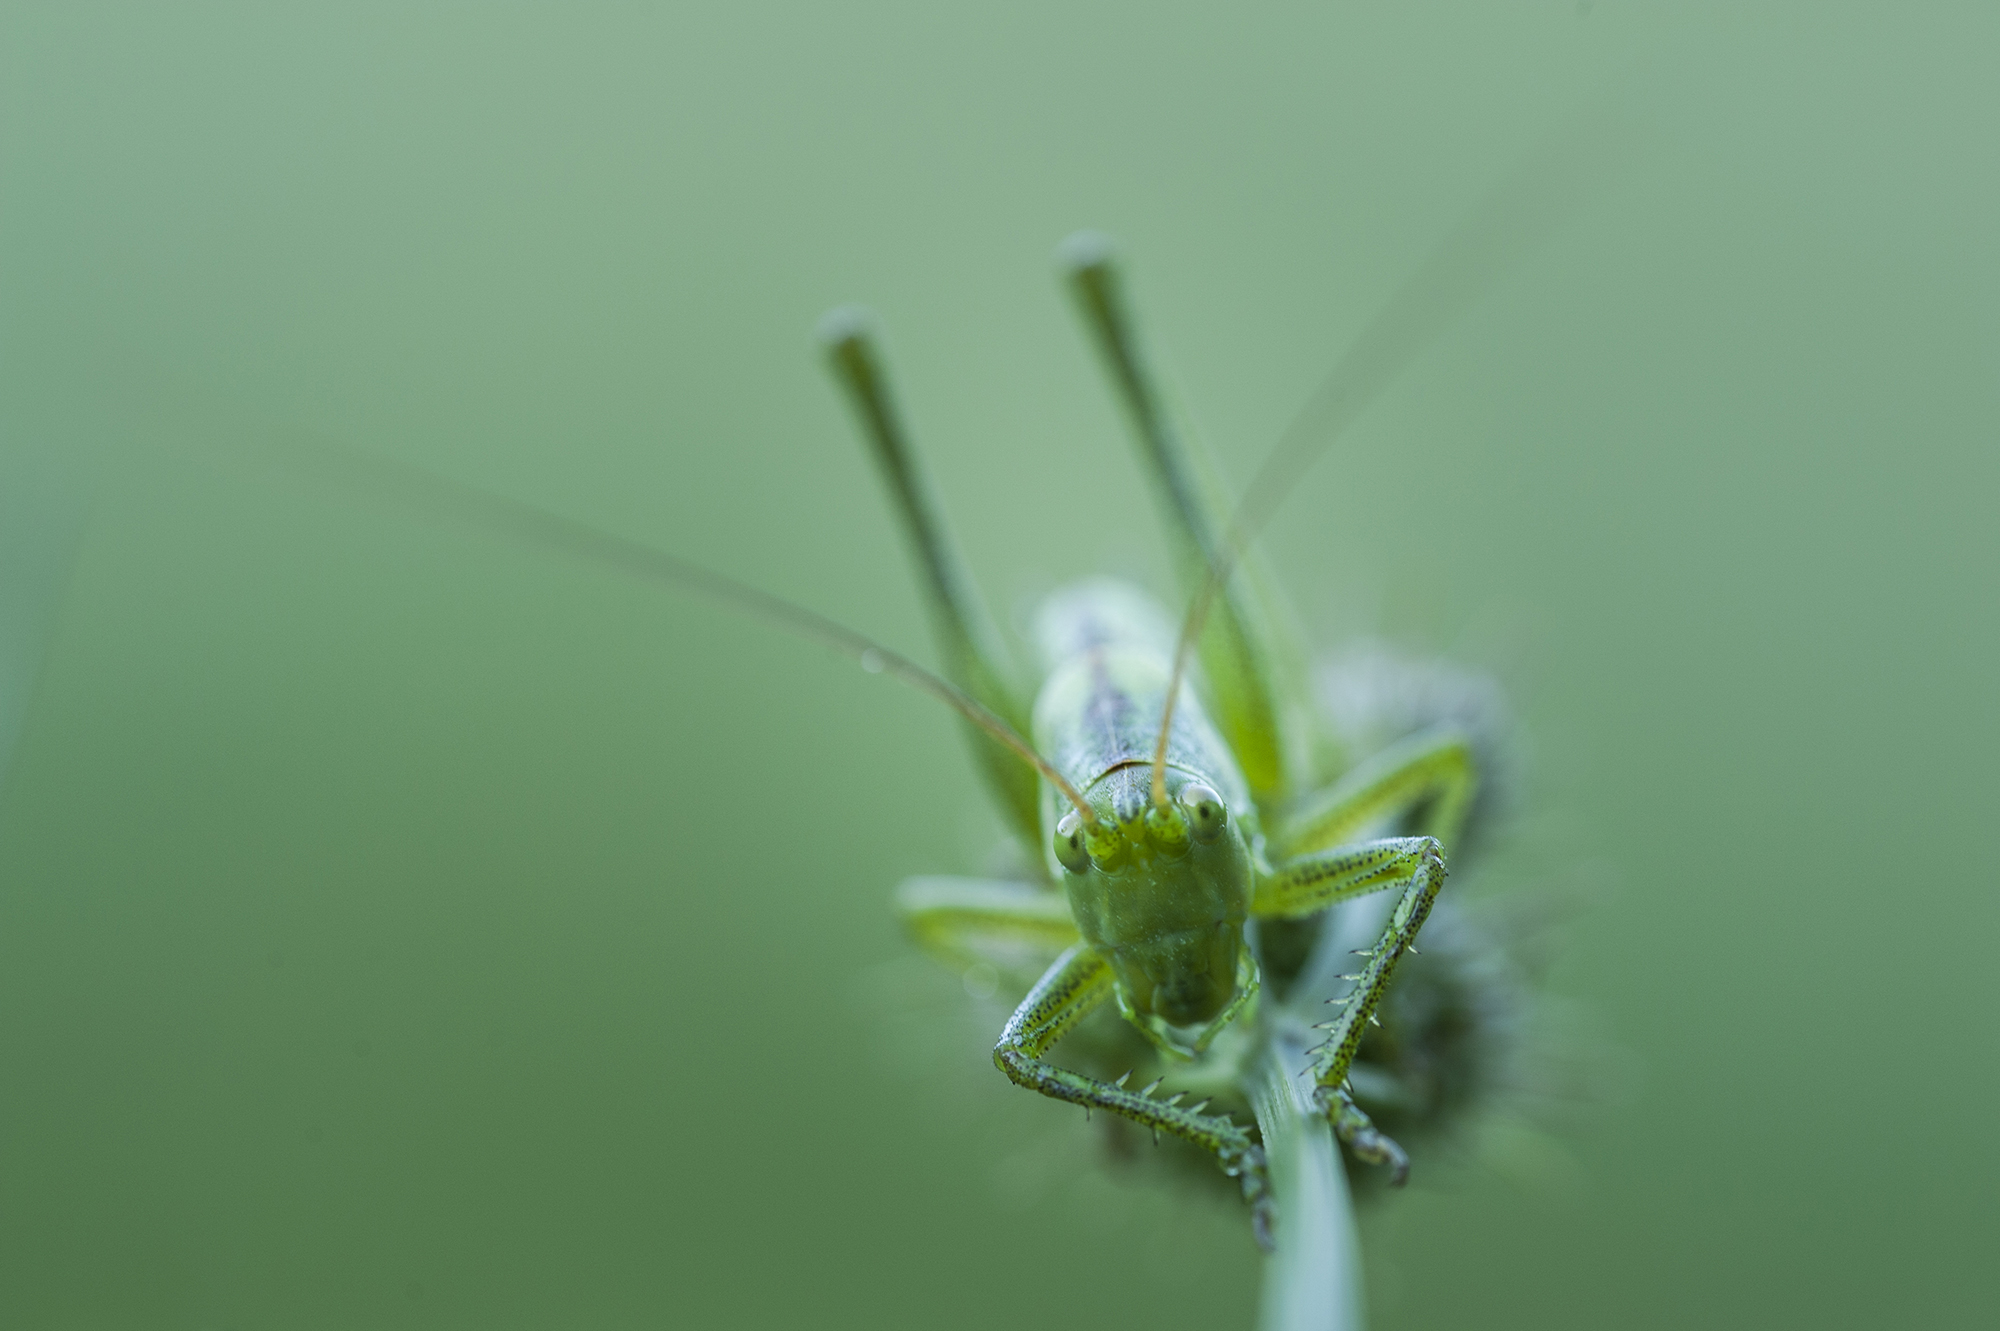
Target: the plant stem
(1313, 1281)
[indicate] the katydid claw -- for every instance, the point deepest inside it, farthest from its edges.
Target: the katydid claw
(1363, 1138)
(1249, 1167)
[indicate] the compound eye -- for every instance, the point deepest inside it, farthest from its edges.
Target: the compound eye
(1206, 814)
(1069, 843)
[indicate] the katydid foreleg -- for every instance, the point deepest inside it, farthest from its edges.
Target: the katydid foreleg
(1313, 882)
(1079, 981)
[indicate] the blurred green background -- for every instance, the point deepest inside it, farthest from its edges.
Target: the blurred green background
(401, 928)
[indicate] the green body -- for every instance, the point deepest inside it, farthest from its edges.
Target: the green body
(1166, 912)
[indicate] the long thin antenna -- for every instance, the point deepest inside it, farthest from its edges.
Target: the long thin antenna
(399, 483)
(1503, 228)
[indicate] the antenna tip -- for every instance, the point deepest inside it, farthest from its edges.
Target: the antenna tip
(1083, 251)
(844, 325)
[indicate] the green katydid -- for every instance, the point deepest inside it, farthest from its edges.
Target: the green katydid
(1180, 822)
(1186, 858)
(1161, 834)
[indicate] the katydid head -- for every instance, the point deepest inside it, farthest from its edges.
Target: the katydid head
(1162, 891)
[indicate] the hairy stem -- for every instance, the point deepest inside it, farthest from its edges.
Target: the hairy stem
(1312, 1282)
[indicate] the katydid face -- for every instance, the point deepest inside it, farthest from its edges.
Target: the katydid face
(1162, 893)
(1160, 882)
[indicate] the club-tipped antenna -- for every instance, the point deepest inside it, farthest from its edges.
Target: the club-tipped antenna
(402, 484)
(1500, 230)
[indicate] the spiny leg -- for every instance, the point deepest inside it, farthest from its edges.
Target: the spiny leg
(1079, 980)
(1307, 884)
(1237, 648)
(972, 659)
(1313, 882)
(1434, 767)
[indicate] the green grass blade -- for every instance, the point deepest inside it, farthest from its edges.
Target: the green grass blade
(1312, 1282)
